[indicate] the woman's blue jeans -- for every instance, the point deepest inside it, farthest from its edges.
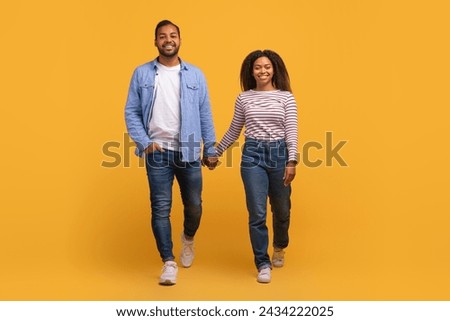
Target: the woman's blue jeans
(162, 167)
(262, 170)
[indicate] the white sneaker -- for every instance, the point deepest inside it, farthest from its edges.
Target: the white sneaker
(187, 251)
(264, 275)
(278, 257)
(169, 273)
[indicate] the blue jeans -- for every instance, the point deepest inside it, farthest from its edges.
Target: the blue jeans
(262, 170)
(162, 167)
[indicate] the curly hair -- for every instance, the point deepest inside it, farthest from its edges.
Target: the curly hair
(280, 78)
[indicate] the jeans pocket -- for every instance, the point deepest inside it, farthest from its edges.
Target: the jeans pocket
(250, 154)
(155, 159)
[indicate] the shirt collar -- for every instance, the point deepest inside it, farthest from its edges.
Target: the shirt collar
(183, 65)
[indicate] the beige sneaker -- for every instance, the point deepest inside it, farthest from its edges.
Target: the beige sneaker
(264, 275)
(169, 273)
(278, 257)
(187, 251)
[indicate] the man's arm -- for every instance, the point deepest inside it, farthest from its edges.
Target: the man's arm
(206, 120)
(134, 117)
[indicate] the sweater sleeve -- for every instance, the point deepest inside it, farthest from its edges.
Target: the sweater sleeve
(291, 128)
(234, 131)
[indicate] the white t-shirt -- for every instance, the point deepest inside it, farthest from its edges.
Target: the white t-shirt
(164, 126)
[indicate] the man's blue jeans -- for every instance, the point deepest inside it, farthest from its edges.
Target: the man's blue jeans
(262, 170)
(162, 167)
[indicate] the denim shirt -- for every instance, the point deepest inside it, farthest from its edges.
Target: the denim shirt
(196, 117)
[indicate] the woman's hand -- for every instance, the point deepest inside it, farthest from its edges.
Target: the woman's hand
(210, 162)
(289, 173)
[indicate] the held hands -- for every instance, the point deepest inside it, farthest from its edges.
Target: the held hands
(210, 162)
(289, 173)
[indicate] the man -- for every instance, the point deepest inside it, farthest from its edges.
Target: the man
(168, 115)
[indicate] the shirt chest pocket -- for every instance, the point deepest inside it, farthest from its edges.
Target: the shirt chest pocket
(192, 92)
(146, 90)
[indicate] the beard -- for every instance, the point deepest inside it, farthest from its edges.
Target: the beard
(168, 54)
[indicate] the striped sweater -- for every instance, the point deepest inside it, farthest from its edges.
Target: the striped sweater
(266, 115)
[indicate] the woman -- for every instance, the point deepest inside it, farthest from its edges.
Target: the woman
(268, 110)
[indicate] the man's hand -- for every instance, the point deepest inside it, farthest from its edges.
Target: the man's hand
(210, 162)
(289, 173)
(152, 147)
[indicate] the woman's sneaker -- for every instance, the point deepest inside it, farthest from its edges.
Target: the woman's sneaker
(264, 275)
(187, 251)
(278, 257)
(169, 273)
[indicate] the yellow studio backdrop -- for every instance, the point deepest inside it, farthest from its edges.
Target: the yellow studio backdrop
(371, 74)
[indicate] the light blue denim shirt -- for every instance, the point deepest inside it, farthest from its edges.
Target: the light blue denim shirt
(196, 117)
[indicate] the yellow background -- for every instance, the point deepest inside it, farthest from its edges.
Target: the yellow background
(374, 73)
